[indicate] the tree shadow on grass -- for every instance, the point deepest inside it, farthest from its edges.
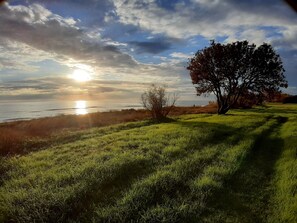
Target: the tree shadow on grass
(113, 191)
(162, 120)
(217, 132)
(245, 196)
(268, 110)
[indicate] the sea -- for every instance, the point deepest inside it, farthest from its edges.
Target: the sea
(25, 110)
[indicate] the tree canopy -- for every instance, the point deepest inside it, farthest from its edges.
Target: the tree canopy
(232, 70)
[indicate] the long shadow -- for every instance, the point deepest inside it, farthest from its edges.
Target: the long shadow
(38, 145)
(110, 192)
(245, 197)
(217, 132)
(268, 110)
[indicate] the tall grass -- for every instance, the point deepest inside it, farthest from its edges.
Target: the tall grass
(22, 137)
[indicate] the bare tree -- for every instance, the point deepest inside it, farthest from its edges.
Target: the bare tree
(158, 102)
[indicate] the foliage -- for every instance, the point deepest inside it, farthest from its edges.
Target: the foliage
(247, 100)
(290, 99)
(236, 69)
(158, 102)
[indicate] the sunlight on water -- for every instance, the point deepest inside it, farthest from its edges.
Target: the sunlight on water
(81, 107)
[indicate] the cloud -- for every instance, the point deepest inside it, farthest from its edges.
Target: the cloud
(152, 47)
(102, 32)
(206, 18)
(65, 88)
(43, 30)
(19, 56)
(91, 13)
(180, 55)
(291, 90)
(288, 40)
(255, 21)
(111, 84)
(43, 35)
(289, 58)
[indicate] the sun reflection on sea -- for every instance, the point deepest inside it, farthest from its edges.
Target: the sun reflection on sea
(81, 107)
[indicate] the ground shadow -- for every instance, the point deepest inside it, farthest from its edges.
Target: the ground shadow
(245, 196)
(267, 110)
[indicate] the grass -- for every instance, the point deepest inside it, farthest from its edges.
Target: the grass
(239, 167)
(247, 192)
(284, 200)
(23, 136)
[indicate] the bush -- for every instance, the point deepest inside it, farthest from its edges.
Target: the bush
(156, 100)
(292, 99)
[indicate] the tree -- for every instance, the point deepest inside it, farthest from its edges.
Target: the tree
(158, 102)
(232, 70)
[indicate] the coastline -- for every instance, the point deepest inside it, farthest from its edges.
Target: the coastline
(22, 136)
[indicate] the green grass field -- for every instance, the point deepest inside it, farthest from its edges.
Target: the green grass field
(239, 167)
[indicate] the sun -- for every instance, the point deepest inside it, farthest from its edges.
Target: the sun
(81, 75)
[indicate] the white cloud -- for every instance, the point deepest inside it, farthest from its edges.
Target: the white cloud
(33, 33)
(180, 55)
(292, 90)
(40, 29)
(256, 35)
(289, 40)
(19, 56)
(209, 19)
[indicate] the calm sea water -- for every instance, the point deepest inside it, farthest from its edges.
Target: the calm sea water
(24, 110)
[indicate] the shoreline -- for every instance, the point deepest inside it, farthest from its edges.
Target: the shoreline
(27, 110)
(178, 110)
(22, 136)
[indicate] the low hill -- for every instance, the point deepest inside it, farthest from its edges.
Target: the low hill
(239, 167)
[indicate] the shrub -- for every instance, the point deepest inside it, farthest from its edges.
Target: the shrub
(158, 102)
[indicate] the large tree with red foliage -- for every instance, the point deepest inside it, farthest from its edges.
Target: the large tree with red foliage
(234, 69)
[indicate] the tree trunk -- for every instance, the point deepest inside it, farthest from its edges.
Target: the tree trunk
(223, 107)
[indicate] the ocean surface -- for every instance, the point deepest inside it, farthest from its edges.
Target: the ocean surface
(24, 110)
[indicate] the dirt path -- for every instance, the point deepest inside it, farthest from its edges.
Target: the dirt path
(245, 197)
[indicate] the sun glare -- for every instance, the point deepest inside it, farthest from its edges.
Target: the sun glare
(81, 107)
(81, 75)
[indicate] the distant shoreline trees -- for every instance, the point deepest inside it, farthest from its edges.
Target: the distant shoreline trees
(235, 70)
(290, 99)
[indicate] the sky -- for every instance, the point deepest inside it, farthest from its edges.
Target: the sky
(111, 50)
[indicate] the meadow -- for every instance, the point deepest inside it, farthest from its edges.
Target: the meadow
(21, 137)
(239, 167)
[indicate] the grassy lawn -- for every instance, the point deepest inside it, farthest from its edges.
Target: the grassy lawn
(240, 167)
